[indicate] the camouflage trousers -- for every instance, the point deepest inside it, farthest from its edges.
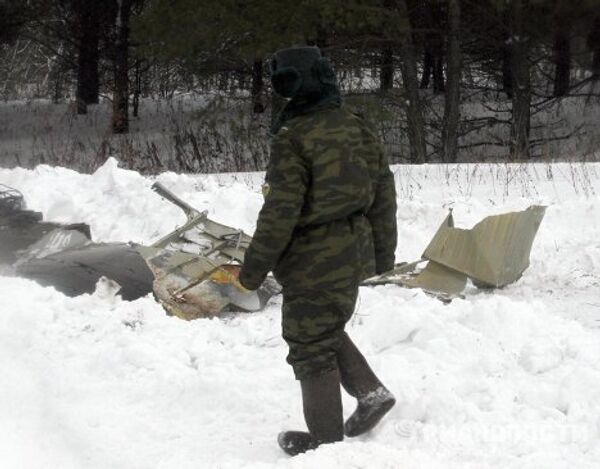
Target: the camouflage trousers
(313, 327)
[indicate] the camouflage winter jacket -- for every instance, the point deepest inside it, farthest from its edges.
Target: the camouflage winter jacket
(329, 216)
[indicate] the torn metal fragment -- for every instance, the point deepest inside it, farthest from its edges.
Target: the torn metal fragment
(494, 253)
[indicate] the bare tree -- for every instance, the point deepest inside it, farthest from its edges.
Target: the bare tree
(408, 69)
(594, 45)
(452, 99)
(120, 115)
(562, 60)
(521, 82)
(386, 71)
(88, 55)
(433, 51)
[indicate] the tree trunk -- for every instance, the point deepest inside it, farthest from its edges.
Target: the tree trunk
(427, 68)
(507, 78)
(562, 60)
(386, 73)
(408, 68)
(505, 59)
(137, 88)
(521, 101)
(386, 70)
(120, 115)
(594, 45)
(88, 83)
(258, 106)
(439, 86)
(56, 76)
(452, 103)
(433, 56)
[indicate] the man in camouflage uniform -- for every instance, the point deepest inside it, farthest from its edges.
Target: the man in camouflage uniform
(328, 222)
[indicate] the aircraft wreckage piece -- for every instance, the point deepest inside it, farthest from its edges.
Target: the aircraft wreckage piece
(494, 253)
(193, 270)
(195, 267)
(20, 227)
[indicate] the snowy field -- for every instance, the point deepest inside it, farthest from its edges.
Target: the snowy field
(509, 379)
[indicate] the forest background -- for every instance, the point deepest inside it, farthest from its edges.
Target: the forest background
(183, 85)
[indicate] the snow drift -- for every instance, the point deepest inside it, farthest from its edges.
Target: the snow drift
(507, 379)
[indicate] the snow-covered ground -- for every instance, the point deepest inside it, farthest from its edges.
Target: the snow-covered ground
(503, 379)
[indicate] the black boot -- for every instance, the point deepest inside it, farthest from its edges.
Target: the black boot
(322, 402)
(374, 400)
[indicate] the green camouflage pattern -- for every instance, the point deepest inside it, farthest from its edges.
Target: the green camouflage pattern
(329, 216)
(328, 222)
(313, 328)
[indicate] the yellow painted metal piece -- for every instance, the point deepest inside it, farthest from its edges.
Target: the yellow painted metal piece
(437, 278)
(494, 253)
